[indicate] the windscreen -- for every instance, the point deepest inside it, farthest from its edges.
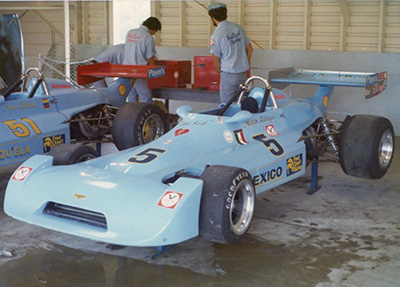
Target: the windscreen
(11, 50)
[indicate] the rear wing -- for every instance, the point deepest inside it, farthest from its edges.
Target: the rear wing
(374, 83)
(155, 75)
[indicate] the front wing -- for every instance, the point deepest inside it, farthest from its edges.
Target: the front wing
(105, 206)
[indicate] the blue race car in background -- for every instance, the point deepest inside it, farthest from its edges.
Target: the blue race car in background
(47, 113)
(37, 114)
(201, 178)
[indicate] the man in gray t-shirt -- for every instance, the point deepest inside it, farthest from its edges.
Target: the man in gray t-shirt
(140, 49)
(231, 51)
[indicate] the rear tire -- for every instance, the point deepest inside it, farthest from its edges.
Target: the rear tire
(138, 123)
(66, 154)
(366, 146)
(227, 204)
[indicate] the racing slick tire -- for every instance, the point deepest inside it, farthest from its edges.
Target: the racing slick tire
(66, 154)
(138, 123)
(366, 146)
(227, 204)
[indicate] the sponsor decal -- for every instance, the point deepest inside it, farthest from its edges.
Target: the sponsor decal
(156, 72)
(267, 176)
(122, 89)
(80, 196)
(61, 86)
(180, 132)
(280, 97)
(375, 84)
(170, 199)
(176, 75)
(22, 173)
(271, 131)
(240, 137)
(325, 101)
(50, 142)
(14, 152)
(27, 105)
(21, 106)
(294, 164)
(46, 103)
(195, 123)
(228, 136)
(260, 120)
(10, 108)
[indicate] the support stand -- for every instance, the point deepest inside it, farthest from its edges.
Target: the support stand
(162, 249)
(98, 148)
(314, 178)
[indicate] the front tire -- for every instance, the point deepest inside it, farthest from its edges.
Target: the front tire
(227, 204)
(366, 146)
(138, 123)
(66, 154)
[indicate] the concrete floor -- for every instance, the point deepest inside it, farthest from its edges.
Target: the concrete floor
(346, 234)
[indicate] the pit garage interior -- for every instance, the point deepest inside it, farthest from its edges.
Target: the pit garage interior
(345, 234)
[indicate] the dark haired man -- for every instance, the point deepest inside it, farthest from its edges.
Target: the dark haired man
(231, 51)
(140, 49)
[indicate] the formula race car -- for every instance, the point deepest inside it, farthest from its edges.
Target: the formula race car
(38, 114)
(201, 178)
(52, 112)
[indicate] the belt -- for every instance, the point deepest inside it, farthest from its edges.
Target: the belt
(234, 73)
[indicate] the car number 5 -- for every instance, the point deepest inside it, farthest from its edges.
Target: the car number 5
(146, 156)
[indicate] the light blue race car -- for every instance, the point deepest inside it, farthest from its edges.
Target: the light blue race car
(37, 114)
(50, 112)
(202, 177)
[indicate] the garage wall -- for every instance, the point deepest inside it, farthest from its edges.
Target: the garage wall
(344, 101)
(333, 25)
(42, 24)
(337, 35)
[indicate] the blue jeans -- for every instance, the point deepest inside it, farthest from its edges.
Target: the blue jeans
(140, 89)
(230, 84)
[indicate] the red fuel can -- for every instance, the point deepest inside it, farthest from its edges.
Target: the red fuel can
(205, 75)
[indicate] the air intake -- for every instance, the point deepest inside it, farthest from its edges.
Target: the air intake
(76, 214)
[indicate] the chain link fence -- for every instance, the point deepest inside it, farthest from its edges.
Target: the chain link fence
(53, 64)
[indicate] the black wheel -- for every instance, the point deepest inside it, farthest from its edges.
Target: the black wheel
(366, 146)
(227, 203)
(66, 154)
(137, 124)
(311, 144)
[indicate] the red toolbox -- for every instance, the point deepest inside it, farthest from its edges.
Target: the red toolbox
(205, 75)
(179, 73)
